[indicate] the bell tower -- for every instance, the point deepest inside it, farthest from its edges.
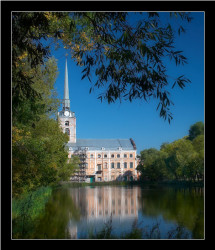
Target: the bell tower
(66, 116)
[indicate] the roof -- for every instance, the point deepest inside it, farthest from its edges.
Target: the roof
(106, 144)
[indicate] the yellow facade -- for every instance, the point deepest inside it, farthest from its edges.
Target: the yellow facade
(111, 165)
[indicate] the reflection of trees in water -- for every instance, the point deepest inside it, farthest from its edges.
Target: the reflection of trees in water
(184, 206)
(59, 210)
(66, 206)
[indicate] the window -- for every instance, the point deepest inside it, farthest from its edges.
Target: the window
(112, 165)
(67, 131)
(99, 156)
(118, 164)
(112, 156)
(105, 165)
(131, 155)
(125, 155)
(105, 156)
(118, 155)
(131, 164)
(66, 123)
(91, 156)
(125, 164)
(99, 167)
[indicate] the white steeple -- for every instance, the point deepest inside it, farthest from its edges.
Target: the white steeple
(66, 101)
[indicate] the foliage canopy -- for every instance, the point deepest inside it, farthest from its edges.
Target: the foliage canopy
(182, 159)
(127, 60)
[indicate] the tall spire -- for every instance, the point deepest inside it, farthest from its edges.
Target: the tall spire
(66, 101)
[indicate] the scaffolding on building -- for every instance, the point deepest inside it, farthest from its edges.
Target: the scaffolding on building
(80, 173)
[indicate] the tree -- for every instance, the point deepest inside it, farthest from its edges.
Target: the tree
(182, 159)
(127, 59)
(180, 155)
(195, 130)
(152, 166)
(43, 78)
(185, 158)
(39, 156)
(198, 145)
(28, 28)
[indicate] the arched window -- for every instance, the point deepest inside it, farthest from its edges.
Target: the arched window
(67, 131)
(66, 123)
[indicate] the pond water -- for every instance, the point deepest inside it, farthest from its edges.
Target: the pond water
(73, 213)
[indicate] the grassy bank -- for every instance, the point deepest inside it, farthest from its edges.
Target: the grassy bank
(26, 210)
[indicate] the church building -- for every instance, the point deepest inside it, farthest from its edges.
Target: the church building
(101, 159)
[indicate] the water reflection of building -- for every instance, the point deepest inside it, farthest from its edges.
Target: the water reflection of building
(106, 201)
(72, 230)
(98, 204)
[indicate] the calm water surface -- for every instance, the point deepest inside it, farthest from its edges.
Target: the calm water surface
(73, 213)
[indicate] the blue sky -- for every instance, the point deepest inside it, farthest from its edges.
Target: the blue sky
(140, 120)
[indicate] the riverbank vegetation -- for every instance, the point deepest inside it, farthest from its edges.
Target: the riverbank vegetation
(39, 157)
(27, 209)
(178, 162)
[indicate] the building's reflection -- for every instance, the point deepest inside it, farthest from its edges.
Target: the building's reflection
(118, 202)
(99, 204)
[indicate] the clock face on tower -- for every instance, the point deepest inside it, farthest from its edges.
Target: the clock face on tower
(66, 113)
